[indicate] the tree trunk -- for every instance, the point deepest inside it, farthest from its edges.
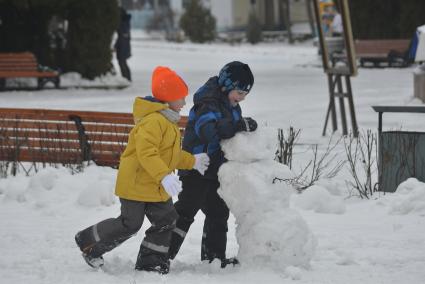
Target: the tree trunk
(287, 19)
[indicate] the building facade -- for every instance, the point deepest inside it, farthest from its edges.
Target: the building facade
(231, 15)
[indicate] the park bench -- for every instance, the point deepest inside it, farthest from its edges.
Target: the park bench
(390, 51)
(25, 65)
(64, 136)
(379, 53)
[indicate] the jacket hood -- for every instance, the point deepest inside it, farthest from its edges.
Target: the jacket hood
(144, 106)
(209, 91)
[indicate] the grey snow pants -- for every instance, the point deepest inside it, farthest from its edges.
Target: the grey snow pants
(108, 234)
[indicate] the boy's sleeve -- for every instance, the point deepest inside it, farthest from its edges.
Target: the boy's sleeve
(148, 138)
(210, 127)
(186, 162)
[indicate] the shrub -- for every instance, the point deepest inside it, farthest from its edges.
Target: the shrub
(198, 23)
(91, 26)
(253, 29)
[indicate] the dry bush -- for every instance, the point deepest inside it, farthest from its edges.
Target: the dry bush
(325, 165)
(362, 153)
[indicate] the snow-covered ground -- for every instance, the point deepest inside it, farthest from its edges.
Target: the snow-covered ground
(358, 241)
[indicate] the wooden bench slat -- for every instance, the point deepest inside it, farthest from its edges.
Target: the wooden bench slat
(67, 125)
(64, 145)
(13, 54)
(19, 129)
(108, 128)
(43, 135)
(19, 74)
(7, 64)
(60, 157)
(31, 125)
(17, 58)
(16, 70)
(111, 117)
(63, 135)
(20, 68)
(26, 155)
(47, 144)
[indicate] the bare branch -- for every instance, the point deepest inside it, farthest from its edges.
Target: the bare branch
(362, 150)
(318, 167)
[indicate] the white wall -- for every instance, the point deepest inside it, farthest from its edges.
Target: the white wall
(223, 12)
(176, 6)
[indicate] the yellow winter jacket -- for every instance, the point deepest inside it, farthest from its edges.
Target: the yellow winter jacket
(153, 151)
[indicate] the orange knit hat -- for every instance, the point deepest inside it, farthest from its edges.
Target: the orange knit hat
(167, 86)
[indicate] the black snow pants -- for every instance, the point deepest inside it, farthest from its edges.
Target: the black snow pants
(108, 234)
(201, 193)
(125, 69)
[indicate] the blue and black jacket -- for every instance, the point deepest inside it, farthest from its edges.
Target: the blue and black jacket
(211, 119)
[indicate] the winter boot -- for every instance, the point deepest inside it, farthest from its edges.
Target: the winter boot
(161, 268)
(95, 262)
(149, 260)
(87, 251)
(226, 261)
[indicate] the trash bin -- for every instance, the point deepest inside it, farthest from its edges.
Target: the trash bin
(401, 154)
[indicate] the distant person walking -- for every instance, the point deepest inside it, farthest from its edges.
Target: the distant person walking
(122, 44)
(336, 26)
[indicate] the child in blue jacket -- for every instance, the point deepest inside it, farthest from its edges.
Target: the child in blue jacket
(216, 115)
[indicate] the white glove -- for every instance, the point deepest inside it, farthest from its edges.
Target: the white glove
(171, 184)
(202, 161)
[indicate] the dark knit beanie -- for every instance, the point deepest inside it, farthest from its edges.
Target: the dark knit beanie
(236, 76)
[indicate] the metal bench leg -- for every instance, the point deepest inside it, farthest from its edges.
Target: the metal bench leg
(57, 82)
(2, 84)
(40, 83)
(85, 147)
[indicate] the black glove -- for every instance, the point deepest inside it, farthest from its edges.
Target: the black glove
(246, 124)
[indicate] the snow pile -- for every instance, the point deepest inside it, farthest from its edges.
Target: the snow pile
(97, 193)
(269, 233)
(73, 79)
(50, 186)
(318, 199)
(408, 198)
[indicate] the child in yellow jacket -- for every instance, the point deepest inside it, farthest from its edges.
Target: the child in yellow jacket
(145, 181)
